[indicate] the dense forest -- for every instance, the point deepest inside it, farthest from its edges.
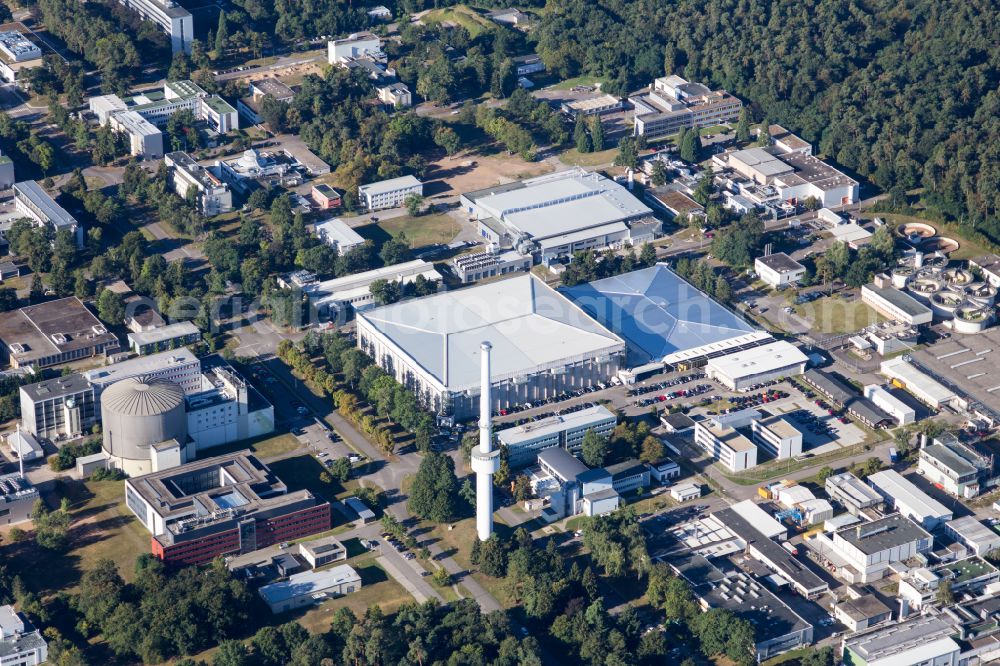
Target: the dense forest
(902, 93)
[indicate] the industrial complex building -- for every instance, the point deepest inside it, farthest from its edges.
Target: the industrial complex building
(672, 103)
(864, 552)
(894, 304)
(744, 369)
(543, 344)
(53, 333)
(663, 319)
(152, 424)
(961, 469)
(180, 366)
(555, 215)
(524, 442)
(143, 115)
(922, 640)
(229, 504)
(851, 493)
(787, 173)
(723, 443)
(211, 194)
(32, 201)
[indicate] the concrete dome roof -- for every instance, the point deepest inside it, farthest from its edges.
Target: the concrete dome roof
(142, 396)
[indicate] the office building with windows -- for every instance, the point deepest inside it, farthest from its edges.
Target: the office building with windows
(524, 442)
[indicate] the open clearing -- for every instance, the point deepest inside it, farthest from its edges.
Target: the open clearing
(420, 231)
(451, 176)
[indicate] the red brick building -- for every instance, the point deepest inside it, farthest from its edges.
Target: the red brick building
(227, 505)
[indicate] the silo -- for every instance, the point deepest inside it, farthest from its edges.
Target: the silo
(137, 413)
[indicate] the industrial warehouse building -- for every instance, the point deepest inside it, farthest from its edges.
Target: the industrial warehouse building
(230, 504)
(543, 345)
(524, 442)
(894, 304)
(863, 553)
(741, 370)
(922, 640)
(663, 319)
(778, 270)
(555, 215)
(53, 333)
(909, 500)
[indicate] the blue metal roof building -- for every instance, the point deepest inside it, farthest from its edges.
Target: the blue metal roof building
(663, 318)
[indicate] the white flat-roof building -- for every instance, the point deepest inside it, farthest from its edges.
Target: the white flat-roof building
(335, 299)
(172, 19)
(357, 45)
(778, 270)
(335, 233)
(213, 195)
(894, 304)
(156, 107)
(543, 344)
(685, 492)
(390, 193)
(20, 643)
(591, 106)
(777, 436)
(310, 587)
(144, 137)
(726, 445)
(523, 442)
(741, 370)
(909, 500)
(976, 536)
(59, 408)
(396, 95)
(30, 200)
(558, 214)
(953, 467)
(890, 404)
(922, 386)
(321, 552)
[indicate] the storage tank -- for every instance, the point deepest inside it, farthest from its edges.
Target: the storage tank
(137, 413)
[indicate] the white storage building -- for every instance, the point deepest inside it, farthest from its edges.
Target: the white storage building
(890, 404)
(741, 370)
(909, 500)
(335, 233)
(918, 383)
(976, 536)
(778, 270)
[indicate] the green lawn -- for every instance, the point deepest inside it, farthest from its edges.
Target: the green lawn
(378, 588)
(421, 231)
(460, 15)
(968, 249)
(271, 446)
(102, 527)
(576, 158)
(578, 81)
(836, 315)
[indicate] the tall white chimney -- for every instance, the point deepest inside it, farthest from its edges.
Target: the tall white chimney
(485, 461)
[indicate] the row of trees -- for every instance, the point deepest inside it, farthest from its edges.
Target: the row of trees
(590, 265)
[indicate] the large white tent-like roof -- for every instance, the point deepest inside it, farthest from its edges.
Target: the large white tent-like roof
(532, 328)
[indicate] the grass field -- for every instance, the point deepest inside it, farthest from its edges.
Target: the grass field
(101, 527)
(457, 543)
(968, 249)
(576, 158)
(265, 448)
(421, 231)
(377, 589)
(460, 15)
(836, 315)
(578, 81)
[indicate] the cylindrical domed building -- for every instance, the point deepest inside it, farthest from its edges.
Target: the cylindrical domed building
(138, 413)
